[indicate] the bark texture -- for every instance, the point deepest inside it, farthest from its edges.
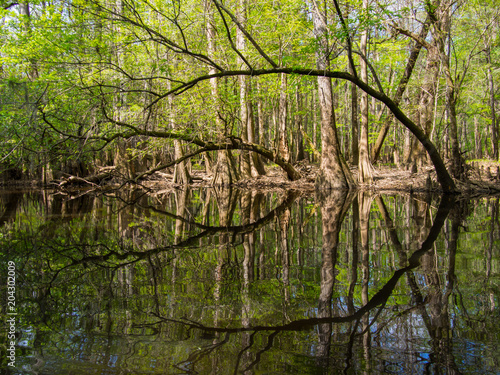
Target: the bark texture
(364, 166)
(334, 173)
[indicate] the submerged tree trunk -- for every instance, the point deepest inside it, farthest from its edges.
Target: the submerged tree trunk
(353, 276)
(365, 201)
(181, 199)
(437, 317)
(226, 202)
(284, 248)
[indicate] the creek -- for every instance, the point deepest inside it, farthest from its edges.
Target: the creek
(212, 281)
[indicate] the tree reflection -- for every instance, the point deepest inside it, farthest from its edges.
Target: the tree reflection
(8, 206)
(334, 209)
(436, 311)
(436, 314)
(365, 200)
(217, 280)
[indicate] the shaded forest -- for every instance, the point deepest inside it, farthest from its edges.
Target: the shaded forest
(94, 91)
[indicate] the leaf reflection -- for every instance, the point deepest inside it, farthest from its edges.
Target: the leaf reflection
(334, 208)
(231, 281)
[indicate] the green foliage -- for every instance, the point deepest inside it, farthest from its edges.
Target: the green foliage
(91, 68)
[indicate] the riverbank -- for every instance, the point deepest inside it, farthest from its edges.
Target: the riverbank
(483, 178)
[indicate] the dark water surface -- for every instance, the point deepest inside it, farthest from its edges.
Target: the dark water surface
(231, 282)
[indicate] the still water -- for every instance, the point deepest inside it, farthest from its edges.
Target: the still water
(234, 282)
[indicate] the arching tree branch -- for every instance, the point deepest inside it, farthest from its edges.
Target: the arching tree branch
(444, 178)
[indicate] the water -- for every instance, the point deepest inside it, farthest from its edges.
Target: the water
(218, 282)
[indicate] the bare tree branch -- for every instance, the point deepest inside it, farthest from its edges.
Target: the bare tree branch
(246, 33)
(229, 37)
(415, 37)
(348, 38)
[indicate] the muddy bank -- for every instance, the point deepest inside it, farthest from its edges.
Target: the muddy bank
(483, 178)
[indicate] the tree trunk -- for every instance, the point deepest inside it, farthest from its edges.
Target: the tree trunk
(223, 170)
(334, 173)
(494, 127)
(365, 168)
(181, 173)
(245, 168)
(315, 124)
(443, 30)
(477, 139)
(354, 125)
(457, 164)
(24, 9)
(255, 135)
(435, 51)
(298, 122)
(425, 110)
(256, 164)
(260, 117)
(283, 148)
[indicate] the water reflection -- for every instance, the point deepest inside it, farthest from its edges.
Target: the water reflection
(226, 281)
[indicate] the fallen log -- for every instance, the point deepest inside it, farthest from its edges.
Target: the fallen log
(104, 174)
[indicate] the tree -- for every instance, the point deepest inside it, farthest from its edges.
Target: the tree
(364, 165)
(225, 173)
(401, 88)
(140, 77)
(245, 168)
(283, 147)
(334, 173)
(491, 89)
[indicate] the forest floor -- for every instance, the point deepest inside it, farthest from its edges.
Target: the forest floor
(484, 178)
